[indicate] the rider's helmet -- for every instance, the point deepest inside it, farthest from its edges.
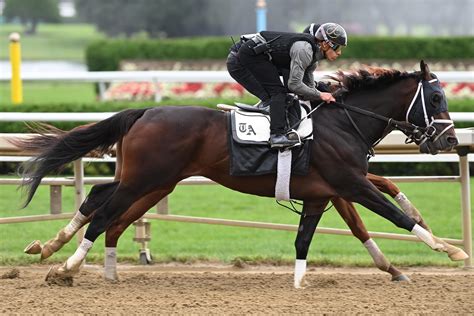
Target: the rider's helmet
(333, 34)
(311, 29)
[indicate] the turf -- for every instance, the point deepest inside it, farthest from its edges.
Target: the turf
(185, 242)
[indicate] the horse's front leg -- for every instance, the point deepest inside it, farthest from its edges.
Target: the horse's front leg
(353, 220)
(309, 220)
(387, 186)
(390, 188)
(367, 195)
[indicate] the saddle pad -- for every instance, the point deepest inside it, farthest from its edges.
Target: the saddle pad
(254, 159)
(254, 128)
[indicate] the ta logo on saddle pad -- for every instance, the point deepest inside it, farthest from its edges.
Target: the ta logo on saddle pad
(246, 129)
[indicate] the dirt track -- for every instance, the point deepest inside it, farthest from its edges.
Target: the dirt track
(227, 290)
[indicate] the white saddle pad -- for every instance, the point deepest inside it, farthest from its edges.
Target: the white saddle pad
(254, 128)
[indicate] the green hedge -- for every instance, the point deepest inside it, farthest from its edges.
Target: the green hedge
(106, 54)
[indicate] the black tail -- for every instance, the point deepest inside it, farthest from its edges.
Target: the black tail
(57, 148)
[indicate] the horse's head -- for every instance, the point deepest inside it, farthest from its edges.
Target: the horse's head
(429, 109)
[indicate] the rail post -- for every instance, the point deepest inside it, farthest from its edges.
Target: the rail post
(465, 204)
(15, 60)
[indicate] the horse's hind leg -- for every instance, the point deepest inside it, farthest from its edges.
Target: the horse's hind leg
(353, 220)
(309, 220)
(387, 186)
(123, 197)
(115, 230)
(97, 196)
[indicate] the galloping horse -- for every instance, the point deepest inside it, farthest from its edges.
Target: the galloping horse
(161, 146)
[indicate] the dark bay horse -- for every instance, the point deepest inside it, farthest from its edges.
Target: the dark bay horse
(161, 146)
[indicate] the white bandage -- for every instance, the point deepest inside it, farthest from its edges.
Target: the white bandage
(76, 222)
(380, 261)
(110, 264)
(426, 237)
(300, 271)
(403, 201)
(76, 259)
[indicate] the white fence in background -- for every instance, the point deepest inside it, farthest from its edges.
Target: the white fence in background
(103, 77)
(93, 117)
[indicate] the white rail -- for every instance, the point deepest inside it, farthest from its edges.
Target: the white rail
(94, 117)
(180, 76)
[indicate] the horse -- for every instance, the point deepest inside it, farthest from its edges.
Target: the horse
(345, 209)
(193, 141)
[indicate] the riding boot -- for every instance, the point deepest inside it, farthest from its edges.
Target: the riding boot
(278, 139)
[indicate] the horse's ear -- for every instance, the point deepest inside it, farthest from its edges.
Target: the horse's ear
(425, 70)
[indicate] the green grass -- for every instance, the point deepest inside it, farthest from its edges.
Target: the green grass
(439, 203)
(53, 41)
(48, 92)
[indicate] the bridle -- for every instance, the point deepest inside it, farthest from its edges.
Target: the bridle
(415, 133)
(429, 132)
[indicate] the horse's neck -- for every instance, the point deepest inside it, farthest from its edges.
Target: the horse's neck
(390, 102)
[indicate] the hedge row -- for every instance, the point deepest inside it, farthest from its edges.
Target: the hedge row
(459, 105)
(106, 54)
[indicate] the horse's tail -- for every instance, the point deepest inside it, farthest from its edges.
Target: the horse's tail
(56, 148)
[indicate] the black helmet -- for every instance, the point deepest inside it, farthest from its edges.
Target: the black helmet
(333, 34)
(311, 29)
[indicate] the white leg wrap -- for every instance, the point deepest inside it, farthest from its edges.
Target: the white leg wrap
(110, 264)
(74, 261)
(76, 222)
(300, 271)
(379, 259)
(426, 237)
(407, 207)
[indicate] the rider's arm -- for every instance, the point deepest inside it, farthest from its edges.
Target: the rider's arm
(308, 78)
(301, 55)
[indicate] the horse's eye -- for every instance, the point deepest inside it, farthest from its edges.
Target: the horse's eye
(436, 99)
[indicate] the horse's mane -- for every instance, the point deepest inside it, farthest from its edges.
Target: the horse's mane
(370, 78)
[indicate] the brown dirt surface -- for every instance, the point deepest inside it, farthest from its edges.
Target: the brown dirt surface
(185, 289)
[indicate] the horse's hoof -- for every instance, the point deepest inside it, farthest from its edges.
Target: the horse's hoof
(46, 252)
(301, 284)
(56, 277)
(401, 278)
(458, 255)
(33, 248)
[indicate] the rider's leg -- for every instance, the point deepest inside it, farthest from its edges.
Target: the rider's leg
(267, 74)
(245, 78)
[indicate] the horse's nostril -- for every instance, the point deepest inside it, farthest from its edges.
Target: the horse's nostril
(452, 140)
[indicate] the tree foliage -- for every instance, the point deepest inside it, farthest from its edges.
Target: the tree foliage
(158, 18)
(32, 12)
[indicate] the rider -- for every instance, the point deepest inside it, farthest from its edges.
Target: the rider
(268, 53)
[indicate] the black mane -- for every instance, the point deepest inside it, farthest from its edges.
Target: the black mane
(370, 78)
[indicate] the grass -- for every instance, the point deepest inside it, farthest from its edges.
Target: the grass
(52, 42)
(185, 242)
(49, 92)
